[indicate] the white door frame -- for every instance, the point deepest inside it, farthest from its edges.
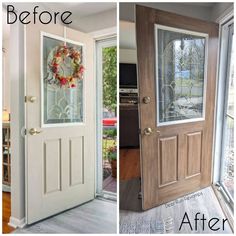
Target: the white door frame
(17, 78)
(222, 95)
(100, 44)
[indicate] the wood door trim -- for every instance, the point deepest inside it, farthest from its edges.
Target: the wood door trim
(145, 19)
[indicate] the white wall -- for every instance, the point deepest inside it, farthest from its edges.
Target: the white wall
(103, 20)
(127, 10)
(128, 56)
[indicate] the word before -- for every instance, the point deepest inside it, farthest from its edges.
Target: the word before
(44, 17)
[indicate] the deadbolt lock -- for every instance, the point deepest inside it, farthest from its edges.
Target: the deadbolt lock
(146, 100)
(147, 131)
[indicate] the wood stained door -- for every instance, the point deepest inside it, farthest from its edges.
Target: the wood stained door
(60, 123)
(177, 59)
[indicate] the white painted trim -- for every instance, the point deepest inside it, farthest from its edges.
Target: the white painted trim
(104, 33)
(17, 75)
(26, 127)
(206, 36)
(220, 95)
(65, 40)
(99, 105)
(226, 15)
(17, 223)
(180, 30)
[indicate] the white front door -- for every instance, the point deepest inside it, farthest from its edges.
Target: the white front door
(60, 121)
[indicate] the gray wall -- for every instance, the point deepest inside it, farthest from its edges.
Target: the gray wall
(204, 11)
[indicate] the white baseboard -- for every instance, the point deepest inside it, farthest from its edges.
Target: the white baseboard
(16, 223)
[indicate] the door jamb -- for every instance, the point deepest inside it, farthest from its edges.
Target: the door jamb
(221, 91)
(17, 47)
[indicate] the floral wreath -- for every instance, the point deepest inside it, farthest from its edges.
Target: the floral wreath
(78, 69)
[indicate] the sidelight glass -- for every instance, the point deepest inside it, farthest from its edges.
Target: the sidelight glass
(227, 167)
(180, 72)
(61, 103)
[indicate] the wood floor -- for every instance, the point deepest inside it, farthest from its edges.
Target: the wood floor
(110, 184)
(167, 217)
(6, 212)
(129, 164)
(94, 217)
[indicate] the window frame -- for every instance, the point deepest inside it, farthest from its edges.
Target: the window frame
(65, 40)
(194, 33)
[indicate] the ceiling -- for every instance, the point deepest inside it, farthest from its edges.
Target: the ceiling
(87, 17)
(80, 9)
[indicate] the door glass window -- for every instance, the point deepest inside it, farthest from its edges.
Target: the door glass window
(180, 71)
(62, 82)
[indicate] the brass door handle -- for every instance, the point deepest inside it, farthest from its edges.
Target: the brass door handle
(147, 131)
(34, 131)
(146, 100)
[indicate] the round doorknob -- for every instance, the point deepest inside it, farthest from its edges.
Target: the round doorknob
(147, 131)
(146, 100)
(34, 131)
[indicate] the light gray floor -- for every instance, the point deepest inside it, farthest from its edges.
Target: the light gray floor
(167, 217)
(97, 216)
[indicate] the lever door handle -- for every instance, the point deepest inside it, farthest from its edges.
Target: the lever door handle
(34, 131)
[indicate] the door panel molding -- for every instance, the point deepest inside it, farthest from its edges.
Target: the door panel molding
(52, 166)
(168, 160)
(194, 154)
(76, 160)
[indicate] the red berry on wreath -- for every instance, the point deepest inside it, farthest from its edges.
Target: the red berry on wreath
(63, 81)
(81, 69)
(55, 69)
